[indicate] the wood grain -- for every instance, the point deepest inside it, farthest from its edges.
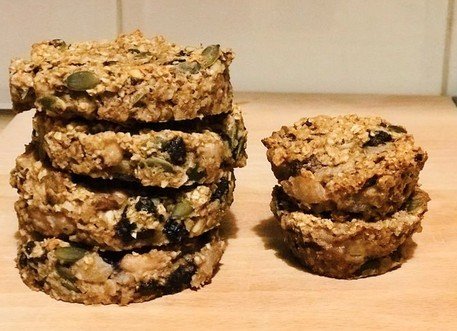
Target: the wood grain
(259, 285)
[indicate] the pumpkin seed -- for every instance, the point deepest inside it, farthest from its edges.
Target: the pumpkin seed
(69, 254)
(194, 174)
(240, 148)
(209, 55)
(136, 100)
(58, 43)
(65, 273)
(153, 161)
(192, 67)
(70, 286)
(51, 103)
(182, 209)
(397, 129)
(82, 81)
(412, 204)
(26, 93)
(233, 137)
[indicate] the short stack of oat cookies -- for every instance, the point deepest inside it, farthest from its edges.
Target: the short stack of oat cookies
(130, 168)
(348, 201)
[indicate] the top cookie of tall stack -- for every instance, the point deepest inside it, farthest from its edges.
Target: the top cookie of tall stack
(129, 79)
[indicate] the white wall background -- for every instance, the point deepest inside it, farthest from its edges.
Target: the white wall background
(329, 46)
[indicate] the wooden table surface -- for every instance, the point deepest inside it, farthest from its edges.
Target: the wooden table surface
(259, 284)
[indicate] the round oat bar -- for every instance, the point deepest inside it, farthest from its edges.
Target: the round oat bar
(86, 275)
(346, 164)
(114, 216)
(129, 79)
(188, 153)
(350, 249)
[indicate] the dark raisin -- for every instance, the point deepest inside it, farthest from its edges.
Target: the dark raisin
(175, 231)
(308, 123)
(40, 283)
(378, 138)
(291, 169)
(108, 63)
(176, 282)
(311, 245)
(283, 201)
(286, 170)
(145, 234)
(370, 182)
(195, 175)
(221, 189)
(146, 204)
(149, 288)
(112, 257)
(124, 229)
(180, 278)
(176, 148)
(397, 255)
(22, 260)
(419, 157)
(29, 247)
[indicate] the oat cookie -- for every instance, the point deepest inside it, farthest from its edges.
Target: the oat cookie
(86, 275)
(350, 249)
(346, 164)
(129, 79)
(171, 155)
(110, 215)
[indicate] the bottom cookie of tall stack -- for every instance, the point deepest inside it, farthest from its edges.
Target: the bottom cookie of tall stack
(73, 273)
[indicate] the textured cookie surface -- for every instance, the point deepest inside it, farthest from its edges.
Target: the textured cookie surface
(87, 275)
(346, 164)
(350, 249)
(113, 216)
(129, 79)
(172, 155)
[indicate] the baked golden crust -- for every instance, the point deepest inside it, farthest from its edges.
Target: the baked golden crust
(346, 164)
(164, 157)
(351, 249)
(129, 79)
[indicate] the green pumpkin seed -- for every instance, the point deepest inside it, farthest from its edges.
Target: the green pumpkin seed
(182, 209)
(51, 103)
(412, 204)
(397, 129)
(153, 161)
(82, 81)
(67, 255)
(26, 93)
(240, 148)
(234, 137)
(136, 100)
(58, 43)
(194, 174)
(209, 55)
(65, 273)
(192, 67)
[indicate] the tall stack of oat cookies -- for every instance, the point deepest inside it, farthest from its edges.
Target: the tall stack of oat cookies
(348, 200)
(130, 168)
